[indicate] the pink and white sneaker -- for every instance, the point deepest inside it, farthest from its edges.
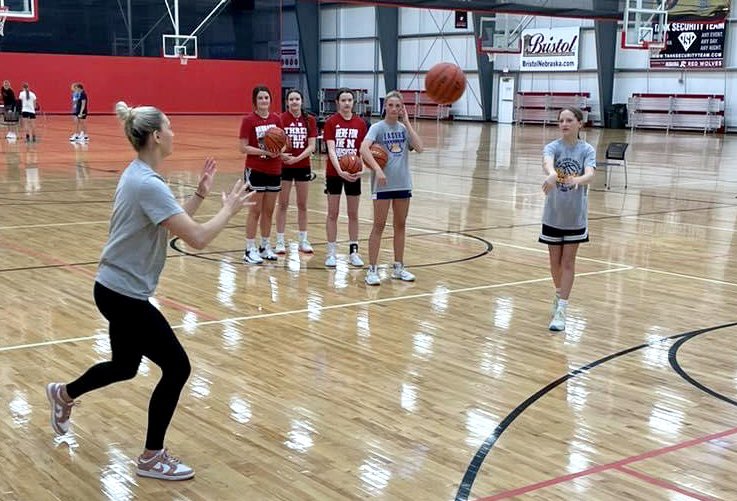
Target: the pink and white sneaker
(163, 466)
(61, 410)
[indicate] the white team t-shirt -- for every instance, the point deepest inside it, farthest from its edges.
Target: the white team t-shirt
(29, 101)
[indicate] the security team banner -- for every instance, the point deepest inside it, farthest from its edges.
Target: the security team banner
(692, 44)
(549, 49)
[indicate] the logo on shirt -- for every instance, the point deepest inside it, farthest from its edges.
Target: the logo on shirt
(261, 132)
(345, 141)
(566, 167)
(297, 134)
(395, 141)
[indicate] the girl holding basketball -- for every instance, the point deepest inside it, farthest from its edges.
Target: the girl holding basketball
(262, 174)
(301, 129)
(343, 133)
(570, 165)
(144, 212)
(392, 185)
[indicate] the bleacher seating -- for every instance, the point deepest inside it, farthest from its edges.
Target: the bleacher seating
(703, 112)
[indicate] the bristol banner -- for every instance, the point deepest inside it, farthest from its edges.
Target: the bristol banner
(692, 44)
(549, 49)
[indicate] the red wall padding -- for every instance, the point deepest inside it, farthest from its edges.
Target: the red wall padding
(202, 86)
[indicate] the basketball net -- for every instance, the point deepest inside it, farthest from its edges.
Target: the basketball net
(654, 51)
(183, 60)
(3, 18)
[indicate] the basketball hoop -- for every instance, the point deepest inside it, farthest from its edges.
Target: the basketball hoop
(3, 18)
(183, 60)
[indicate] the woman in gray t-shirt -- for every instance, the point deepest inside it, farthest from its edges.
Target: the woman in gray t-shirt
(144, 212)
(391, 186)
(570, 164)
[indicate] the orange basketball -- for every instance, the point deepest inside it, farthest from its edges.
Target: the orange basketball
(275, 139)
(380, 154)
(445, 83)
(350, 164)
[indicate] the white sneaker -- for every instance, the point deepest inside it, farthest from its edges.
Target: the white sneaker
(330, 261)
(10, 136)
(252, 256)
(372, 276)
(267, 253)
(401, 273)
(304, 246)
(163, 467)
(82, 139)
(355, 260)
(554, 306)
(280, 248)
(559, 320)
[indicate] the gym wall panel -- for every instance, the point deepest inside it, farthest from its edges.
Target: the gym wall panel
(556, 22)
(730, 55)
(356, 55)
(204, 86)
(328, 56)
(421, 54)
(470, 103)
(329, 22)
(587, 57)
(427, 22)
(631, 59)
(356, 81)
(358, 22)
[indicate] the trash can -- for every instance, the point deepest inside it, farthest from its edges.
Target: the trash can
(616, 116)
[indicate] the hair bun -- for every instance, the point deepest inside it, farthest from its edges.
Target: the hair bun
(123, 111)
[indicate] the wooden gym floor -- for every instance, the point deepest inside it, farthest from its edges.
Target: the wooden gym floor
(306, 384)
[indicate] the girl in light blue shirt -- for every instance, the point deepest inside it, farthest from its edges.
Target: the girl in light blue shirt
(570, 164)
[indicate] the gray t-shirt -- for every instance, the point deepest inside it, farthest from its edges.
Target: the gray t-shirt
(567, 207)
(395, 140)
(136, 248)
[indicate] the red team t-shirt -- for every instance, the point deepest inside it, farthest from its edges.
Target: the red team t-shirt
(347, 134)
(253, 128)
(299, 130)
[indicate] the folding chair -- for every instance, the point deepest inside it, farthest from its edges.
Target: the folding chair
(615, 152)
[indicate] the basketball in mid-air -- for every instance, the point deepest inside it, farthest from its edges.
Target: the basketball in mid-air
(445, 83)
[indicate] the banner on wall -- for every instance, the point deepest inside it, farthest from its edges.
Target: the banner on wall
(692, 44)
(290, 55)
(550, 49)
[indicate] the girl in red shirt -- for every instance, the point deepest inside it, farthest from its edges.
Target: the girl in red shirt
(301, 129)
(343, 134)
(262, 174)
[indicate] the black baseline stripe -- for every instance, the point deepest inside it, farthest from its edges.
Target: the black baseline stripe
(464, 490)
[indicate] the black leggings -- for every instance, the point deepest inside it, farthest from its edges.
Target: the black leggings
(138, 329)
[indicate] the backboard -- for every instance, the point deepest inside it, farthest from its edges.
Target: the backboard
(645, 24)
(20, 10)
(501, 34)
(180, 46)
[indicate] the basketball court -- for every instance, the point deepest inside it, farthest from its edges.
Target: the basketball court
(307, 384)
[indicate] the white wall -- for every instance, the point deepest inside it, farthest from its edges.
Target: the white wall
(632, 72)
(634, 75)
(348, 61)
(418, 52)
(349, 50)
(350, 54)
